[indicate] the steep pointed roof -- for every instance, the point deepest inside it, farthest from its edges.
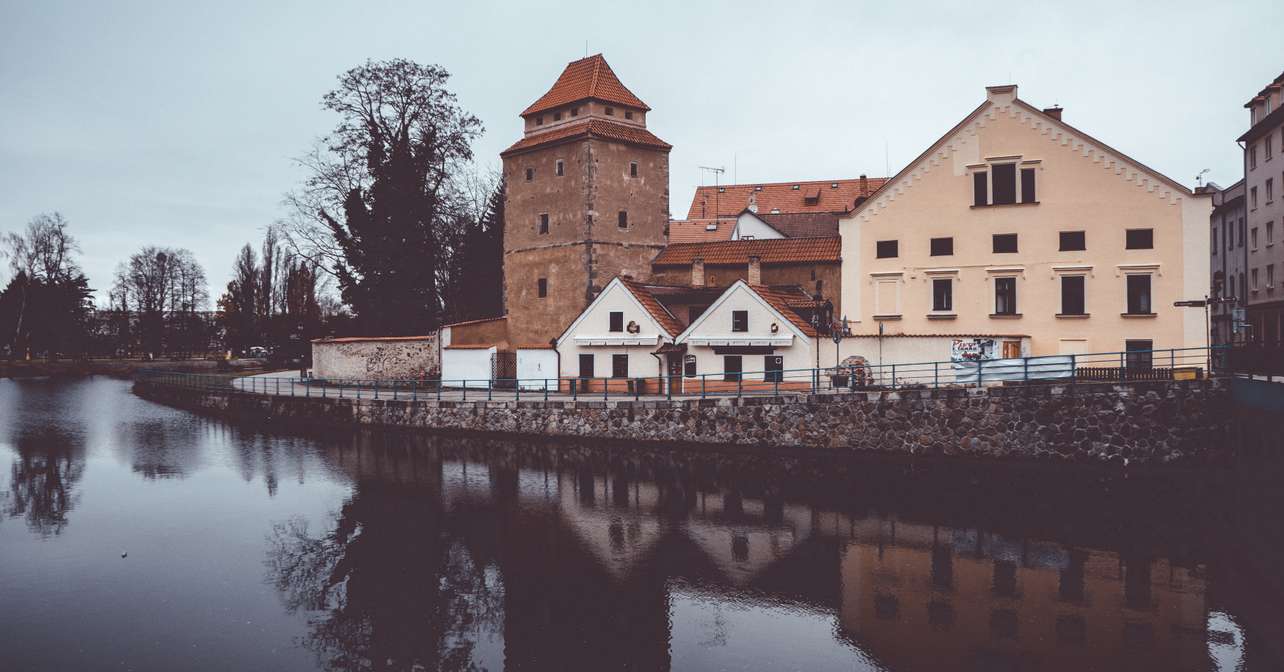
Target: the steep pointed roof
(594, 128)
(586, 78)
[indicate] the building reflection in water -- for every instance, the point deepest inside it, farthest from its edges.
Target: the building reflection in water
(451, 555)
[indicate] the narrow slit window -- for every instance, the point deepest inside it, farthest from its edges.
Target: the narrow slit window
(980, 188)
(1027, 186)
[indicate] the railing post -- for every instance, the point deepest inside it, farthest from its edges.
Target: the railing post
(775, 383)
(703, 377)
(278, 387)
(465, 389)
(376, 386)
(1123, 368)
(1074, 369)
(893, 376)
(637, 389)
(574, 389)
(1025, 369)
(606, 389)
(1172, 358)
(414, 390)
(545, 389)
(980, 363)
(740, 384)
(517, 389)
(668, 389)
(936, 375)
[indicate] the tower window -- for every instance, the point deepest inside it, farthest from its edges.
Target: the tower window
(542, 287)
(543, 223)
(561, 168)
(628, 114)
(575, 111)
(539, 121)
(623, 219)
(557, 116)
(610, 111)
(633, 169)
(530, 174)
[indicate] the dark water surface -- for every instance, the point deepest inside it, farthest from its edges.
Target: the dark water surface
(253, 551)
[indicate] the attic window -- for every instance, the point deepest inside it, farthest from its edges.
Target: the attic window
(610, 111)
(557, 116)
(628, 114)
(796, 187)
(711, 227)
(775, 211)
(833, 185)
(539, 121)
(722, 190)
(757, 188)
(575, 111)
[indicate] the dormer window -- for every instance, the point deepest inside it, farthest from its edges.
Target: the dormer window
(610, 111)
(539, 120)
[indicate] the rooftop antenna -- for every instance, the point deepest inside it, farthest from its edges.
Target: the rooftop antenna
(887, 160)
(717, 200)
(1199, 179)
(585, 48)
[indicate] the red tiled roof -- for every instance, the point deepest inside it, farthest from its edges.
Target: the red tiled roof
(479, 321)
(734, 198)
(586, 78)
(598, 128)
(780, 300)
(658, 312)
(768, 250)
(803, 224)
(697, 230)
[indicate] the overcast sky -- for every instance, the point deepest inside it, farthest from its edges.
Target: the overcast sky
(176, 123)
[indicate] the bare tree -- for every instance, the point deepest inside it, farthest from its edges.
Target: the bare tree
(157, 280)
(44, 251)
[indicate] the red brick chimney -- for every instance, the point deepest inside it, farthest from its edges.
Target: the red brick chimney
(1054, 112)
(864, 186)
(755, 271)
(697, 272)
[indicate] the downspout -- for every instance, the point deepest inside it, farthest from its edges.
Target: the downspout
(553, 342)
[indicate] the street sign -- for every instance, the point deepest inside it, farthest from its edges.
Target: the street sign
(1192, 303)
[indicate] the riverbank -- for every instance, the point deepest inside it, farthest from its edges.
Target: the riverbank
(119, 368)
(1150, 423)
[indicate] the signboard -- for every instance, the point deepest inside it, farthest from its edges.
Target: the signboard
(971, 350)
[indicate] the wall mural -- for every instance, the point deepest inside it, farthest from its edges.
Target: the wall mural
(975, 349)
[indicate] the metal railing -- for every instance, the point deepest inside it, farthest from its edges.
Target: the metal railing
(1112, 367)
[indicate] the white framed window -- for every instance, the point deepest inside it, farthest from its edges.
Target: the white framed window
(887, 294)
(941, 285)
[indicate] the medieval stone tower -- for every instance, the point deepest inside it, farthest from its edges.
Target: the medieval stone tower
(587, 199)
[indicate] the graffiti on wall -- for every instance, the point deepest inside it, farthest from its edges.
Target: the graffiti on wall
(973, 349)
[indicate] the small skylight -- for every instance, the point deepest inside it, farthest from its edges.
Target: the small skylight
(757, 188)
(722, 190)
(795, 187)
(711, 227)
(775, 211)
(833, 185)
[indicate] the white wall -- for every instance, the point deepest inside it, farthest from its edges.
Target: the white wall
(592, 334)
(534, 365)
(375, 359)
(466, 364)
(749, 226)
(716, 324)
(913, 355)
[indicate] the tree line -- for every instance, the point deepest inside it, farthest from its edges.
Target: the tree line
(395, 231)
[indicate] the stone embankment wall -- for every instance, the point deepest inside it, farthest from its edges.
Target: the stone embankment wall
(386, 358)
(1143, 423)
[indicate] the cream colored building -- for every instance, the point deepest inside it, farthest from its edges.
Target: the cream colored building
(1017, 223)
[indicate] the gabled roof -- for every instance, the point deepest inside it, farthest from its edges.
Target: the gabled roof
(583, 79)
(652, 305)
(697, 230)
(729, 200)
(783, 303)
(776, 299)
(596, 128)
(1042, 116)
(803, 224)
(768, 251)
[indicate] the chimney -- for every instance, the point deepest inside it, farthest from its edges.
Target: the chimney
(753, 203)
(1054, 112)
(864, 186)
(697, 272)
(755, 270)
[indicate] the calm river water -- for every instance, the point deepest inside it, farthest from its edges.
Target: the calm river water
(138, 537)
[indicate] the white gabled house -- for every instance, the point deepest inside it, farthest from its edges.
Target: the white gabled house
(614, 342)
(751, 335)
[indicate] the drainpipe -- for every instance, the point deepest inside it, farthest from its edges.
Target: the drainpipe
(553, 342)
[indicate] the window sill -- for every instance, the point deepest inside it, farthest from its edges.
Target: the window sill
(1073, 316)
(897, 316)
(1002, 205)
(1005, 316)
(942, 316)
(1138, 315)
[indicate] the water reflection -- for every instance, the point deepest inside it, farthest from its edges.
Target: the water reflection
(458, 553)
(43, 477)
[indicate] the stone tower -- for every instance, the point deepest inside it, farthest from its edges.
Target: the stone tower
(587, 199)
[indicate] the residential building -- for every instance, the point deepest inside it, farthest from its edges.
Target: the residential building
(813, 264)
(587, 198)
(643, 337)
(745, 226)
(1263, 182)
(1229, 260)
(1015, 221)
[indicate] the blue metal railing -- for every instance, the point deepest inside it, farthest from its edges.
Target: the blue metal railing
(1112, 367)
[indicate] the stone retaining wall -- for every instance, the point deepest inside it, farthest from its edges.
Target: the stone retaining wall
(1141, 423)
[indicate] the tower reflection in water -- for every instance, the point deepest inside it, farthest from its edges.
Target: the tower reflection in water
(453, 554)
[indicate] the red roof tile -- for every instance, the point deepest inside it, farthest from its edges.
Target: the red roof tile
(597, 128)
(830, 196)
(768, 250)
(662, 316)
(803, 224)
(586, 78)
(780, 300)
(697, 230)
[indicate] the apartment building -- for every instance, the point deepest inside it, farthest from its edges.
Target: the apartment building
(1263, 181)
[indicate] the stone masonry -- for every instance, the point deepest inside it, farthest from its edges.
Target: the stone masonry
(1143, 423)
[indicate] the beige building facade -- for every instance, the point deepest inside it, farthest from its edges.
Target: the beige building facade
(1017, 223)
